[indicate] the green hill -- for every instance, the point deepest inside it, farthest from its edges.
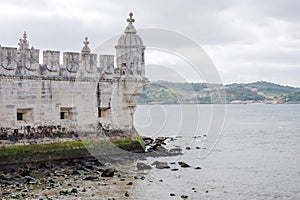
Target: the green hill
(265, 92)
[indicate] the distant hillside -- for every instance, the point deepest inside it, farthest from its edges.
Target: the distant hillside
(205, 93)
(293, 97)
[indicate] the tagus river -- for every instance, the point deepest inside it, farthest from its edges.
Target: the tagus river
(257, 155)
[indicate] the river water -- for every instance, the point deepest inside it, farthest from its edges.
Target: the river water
(257, 155)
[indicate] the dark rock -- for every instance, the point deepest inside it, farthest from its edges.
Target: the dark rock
(174, 169)
(45, 166)
(188, 148)
(63, 192)
(183, 164)
(91, 178)
(78, 172)
(197, 147)
(184, 196)
(83, 190)
(160, 165)
(206, 191)
(51, 180)
(25, 172)
(148, 140)
(172, 163)
(175, 150)
(198, 168)
(126, 194)
(27, 179)
(108, 173)
(47, 173)
(143, 166)
(74, 190)
(139, 177)
(6, 193)
(161, 140)
(172, 194)
(130, 183)
(88, 165)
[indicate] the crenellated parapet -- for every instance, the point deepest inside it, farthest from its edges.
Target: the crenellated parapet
(24, 61)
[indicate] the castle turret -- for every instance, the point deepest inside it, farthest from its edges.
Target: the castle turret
(130, 51)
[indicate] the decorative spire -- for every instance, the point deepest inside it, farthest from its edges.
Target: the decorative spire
(23, 43)
(130, 28)
(25, 37)
(130, 19)
(86, 49)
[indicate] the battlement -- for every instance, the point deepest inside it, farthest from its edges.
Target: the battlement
(24, 61)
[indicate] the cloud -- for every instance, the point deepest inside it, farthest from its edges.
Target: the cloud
(236, 34)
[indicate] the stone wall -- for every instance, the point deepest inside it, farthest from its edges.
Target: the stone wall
(87, 94)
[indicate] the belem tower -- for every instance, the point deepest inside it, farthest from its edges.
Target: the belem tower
(87, 94)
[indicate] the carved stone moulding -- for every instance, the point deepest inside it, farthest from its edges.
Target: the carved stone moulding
(89, 62)
(8, 58)
(71, 61)
(31, 59)
(51, 60)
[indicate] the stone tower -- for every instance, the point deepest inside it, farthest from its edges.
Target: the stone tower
(130, 51)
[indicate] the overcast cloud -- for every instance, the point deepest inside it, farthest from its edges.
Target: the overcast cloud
(247, 40)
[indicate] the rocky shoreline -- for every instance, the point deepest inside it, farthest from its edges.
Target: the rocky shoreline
(84, 178)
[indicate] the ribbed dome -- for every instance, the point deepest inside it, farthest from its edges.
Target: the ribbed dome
(130, 39)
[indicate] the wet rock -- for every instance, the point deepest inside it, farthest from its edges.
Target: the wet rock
(183, 164)
(28, 179)
(78, 172)
(108, 173)
(51, 180)
(148, 140)
(63, 192)
(24, 172)
(184, 196)
(161, 140)
(160, 165)
(143, 166)
(126, 194)
(172, 194)
(140, 177)
(5, 193)
(175, 150)
(91, 178)
(74, 190)
(45, 166)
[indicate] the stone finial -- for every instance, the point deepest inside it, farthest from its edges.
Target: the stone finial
(86, 49)
(130, 28)
(130, 19)
(23, 43)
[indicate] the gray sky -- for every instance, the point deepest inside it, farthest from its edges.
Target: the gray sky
(247, 40)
